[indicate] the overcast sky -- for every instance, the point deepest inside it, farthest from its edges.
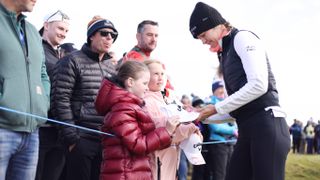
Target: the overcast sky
(289, 29)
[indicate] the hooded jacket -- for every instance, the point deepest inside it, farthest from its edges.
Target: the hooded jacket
(125, 155)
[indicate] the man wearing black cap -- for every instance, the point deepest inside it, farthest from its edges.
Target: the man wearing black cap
(75, 85)
(264, 140)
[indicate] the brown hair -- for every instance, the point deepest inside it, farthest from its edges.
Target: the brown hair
(146, 22)
(228, 26)
(129, 69)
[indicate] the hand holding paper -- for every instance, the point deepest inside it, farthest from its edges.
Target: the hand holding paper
(174, 109)
(206, 111)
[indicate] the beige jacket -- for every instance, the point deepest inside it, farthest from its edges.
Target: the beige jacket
(169, 157)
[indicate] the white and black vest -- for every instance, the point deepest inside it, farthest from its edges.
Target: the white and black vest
(235, 78)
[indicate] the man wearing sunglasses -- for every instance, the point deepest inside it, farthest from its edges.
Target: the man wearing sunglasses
(51, 153)
(24, 86)
(75, 84)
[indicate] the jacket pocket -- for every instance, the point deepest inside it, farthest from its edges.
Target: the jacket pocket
(284, 127)
(14, 96)
(40, 101)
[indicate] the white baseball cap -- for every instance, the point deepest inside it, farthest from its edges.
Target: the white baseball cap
(55, 16)
(192, 149)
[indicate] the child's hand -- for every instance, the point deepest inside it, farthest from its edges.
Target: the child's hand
(172, 124)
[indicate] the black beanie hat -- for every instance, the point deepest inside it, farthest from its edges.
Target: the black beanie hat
(197, 102)
(67, 47)
(203, 18)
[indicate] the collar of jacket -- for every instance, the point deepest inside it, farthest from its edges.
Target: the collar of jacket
(144, 53)
(49, 47)
(12, 14)
(15, 19)
(93, 55)
(227, 39)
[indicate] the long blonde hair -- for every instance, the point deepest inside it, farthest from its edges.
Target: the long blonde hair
(150, 61)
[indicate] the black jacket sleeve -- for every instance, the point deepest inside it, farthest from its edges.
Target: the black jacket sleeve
(64, 81)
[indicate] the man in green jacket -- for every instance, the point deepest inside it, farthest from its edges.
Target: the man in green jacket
(24, 86)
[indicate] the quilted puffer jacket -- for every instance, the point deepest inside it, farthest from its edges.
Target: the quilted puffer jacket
(125, 155)
(75, 85)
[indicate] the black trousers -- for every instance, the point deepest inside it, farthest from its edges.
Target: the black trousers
(261, 150)
(83, 162)
(199, 171)
(51, 155)
(296, 145)
(218, 158)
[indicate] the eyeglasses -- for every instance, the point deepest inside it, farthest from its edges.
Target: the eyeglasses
(63, 16)
(106, 33)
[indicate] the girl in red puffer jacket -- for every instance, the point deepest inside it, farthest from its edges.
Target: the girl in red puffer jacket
(125, 155)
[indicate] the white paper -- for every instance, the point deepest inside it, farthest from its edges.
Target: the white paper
(191, 150)
(218, 119)
(174, 109)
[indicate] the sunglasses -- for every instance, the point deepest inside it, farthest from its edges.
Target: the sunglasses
(63, 16)
(106, 33)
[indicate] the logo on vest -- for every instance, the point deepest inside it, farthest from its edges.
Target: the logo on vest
(250, 48)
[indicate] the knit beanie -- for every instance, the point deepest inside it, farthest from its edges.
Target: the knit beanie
(216, 85)
(197, 102)
(203, 18)
(67, 47)
(97, 23)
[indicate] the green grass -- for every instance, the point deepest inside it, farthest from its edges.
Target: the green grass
(298, 167)
(303, 167)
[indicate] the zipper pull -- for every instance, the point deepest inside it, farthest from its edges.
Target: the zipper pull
(27, 60)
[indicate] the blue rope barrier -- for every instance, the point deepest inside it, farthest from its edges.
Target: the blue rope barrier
(214, 142)
(93, 130)
(54, 121)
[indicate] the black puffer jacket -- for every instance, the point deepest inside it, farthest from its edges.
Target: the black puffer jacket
(76, 81)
